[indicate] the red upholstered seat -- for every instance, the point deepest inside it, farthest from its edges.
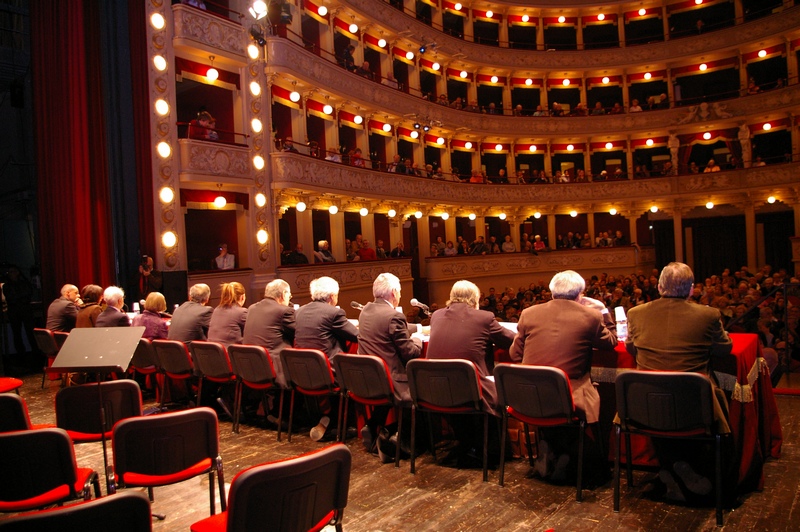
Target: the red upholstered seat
(9, 384)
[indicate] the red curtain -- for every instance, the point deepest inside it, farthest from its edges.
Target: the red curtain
(74, 212)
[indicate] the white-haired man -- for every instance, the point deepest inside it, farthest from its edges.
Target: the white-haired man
(271, 324)
(383, 332)
(190, 321)
(113, 315)
(62, 313)
(562, 333)
(322, 325)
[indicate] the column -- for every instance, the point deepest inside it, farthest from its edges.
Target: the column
(791, 62)
(587, 157)
(796, 209)
(511, 165)
(621, 28)
(436, 17)
(395, 231)
(480, 226)
(423, 243)
(502, 33)
(331, 137)
(299, 129)
(743, 77)
(507, 98)
(444, 158)
(738, 10)
(632, 217)
(579, 41)
(450, 229)
(513, 229)
(590, 226)
(671, 92)
(305, 233)
(548, 161)
(551, 231)
(626, 98)
(629, 156)
(677, 225)
(543, 98)
(368, 228)
(665, 20)
(540, 33)
(337, 248)
(750, 235)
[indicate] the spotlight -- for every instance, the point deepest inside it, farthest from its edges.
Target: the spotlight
(422, 49)
(258, 9)
(416, 125)
(426, 128)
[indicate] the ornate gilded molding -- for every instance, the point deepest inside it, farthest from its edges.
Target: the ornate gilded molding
(194, 26)
(214, 160)
(296, 175)
(663, 52)
(298, 63)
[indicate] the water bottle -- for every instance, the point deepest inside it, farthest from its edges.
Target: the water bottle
(622, 324)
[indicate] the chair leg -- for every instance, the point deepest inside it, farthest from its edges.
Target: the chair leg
(199, 401)
(280, 416)
(628, 459)
(430, 433)
(527, 430)
(718, 475)
(503, 432)
(616, 468)
(221, 482)
(399, 415)
(581, 438)
(237, 408)
(413, 437)
(339, 437)
(211, 502)
(485, 447)
(291, 415)
(341, 426)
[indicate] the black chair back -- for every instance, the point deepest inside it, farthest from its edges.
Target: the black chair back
(168, 448)
(540, 392)
(292, 495)
(78, 407)
(364, 377)
(308, 370)
(13, 413)
(121, 512)
(173, 356)
(145, 356)
(252, 363)
(443, 385)
(211, 359)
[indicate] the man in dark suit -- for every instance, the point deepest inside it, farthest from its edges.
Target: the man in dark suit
(460, 330)
(674, 334)
(271, 324)
(62, 313)
(113, 315)
(562, 333)
(190, 321)
(321, 325)
(383, 332)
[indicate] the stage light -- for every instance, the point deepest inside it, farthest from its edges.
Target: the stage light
(562, 19)
(301, 206)
(609, 145)
(158, 21)
(410, 55)
(160, 63)
(444, 216)
(353, 28)
(166, 195)
(382, 43)
(472, 216)
(532, 147)
(612, 211)
(258, 162)
(703, 67)
(537, 215)
(327, 109)
(333, 209)
(169, 239)
(387, 127)
(605, 80)
(494, 79)
(463, 74)
(649, 142)
(502, 216)
(262, 236)
(261, 199)
(164, 149)
(322, 11)
(468, 145)
(647, 75)
(358, 119)
(570, 147)
(252, 51)
(255, 88)
(256, 125)
(294, 96)
(363, 211)
(162, 107)
(418, 215)
(574, 214)
(440, 141)
(392, 213)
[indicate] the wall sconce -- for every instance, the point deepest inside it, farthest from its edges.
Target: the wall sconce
(258, 10)
(220, 201)
(212, 74)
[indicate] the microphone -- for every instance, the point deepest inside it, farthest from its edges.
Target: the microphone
(356, 305)
(423, 306)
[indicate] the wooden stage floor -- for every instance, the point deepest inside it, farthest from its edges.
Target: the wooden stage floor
(438, 498)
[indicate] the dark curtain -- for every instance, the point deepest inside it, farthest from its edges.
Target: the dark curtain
(664, 242)
(140, 97)
(718, 244)
(73, 190)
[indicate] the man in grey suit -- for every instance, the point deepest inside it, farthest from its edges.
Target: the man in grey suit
(322, 325)
(271, 324)
(674, 334)
(383, 332)
(190, 321)
(113, 315)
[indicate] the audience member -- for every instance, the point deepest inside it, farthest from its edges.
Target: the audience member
(320, 324)
(380, 251)
(398, 251)
(225, 260)
(228, 319)
(155, 328)
(92, 296)
(190, 320)
(146, 280)
(62, 313)
(695, 335)
(562, 333)
(323, 254)
(508, 246)
(270, 323)
(297, 256)
(635, 107)
(383, 332)
(366, 252)
(113, 315)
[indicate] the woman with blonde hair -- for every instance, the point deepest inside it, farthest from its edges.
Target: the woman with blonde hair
(155, 328)
(227, 321)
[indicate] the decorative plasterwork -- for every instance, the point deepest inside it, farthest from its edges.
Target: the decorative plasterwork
(295, 175)
(764, 28)
(297, 63)
(225, 37)
(213, 160)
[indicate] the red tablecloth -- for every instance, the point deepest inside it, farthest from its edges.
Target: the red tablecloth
(754, 421)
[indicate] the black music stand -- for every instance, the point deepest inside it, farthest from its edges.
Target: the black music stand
(100, 350)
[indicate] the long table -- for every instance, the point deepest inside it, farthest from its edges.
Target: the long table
(753, 414)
